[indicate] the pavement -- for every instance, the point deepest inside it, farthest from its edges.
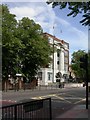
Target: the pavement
(78, 112)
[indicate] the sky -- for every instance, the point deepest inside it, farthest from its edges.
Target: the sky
(66, 28)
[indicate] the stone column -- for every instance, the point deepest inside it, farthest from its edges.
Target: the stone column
(61, 61)
(55, 66)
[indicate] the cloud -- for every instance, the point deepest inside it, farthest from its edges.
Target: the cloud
(23, 0)
(40, 12)
(22, 12)
(27, 11)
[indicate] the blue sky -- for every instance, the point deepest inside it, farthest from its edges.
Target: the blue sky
(65, 28)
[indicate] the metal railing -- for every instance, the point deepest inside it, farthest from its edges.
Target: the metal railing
(33, 110)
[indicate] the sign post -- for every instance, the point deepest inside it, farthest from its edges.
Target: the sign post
(84, 65)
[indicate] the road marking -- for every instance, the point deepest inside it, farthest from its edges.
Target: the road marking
(51, 95)
(35, 98)
(80, 101)
(41, 97)
(71, 98)
(62, 99)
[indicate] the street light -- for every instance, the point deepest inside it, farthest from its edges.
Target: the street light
(53, 61)
(53, 56)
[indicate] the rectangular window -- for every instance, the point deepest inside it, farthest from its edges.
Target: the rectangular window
(66, 45)
(66, 59)
(58, 67)
(40, 75)
(58, 53)
(58, 62)
(49, 76)
(66, 53)
(66, 67)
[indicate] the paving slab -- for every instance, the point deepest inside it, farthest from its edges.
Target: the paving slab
(78, 111)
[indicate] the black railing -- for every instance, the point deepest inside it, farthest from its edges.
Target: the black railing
(32, 110)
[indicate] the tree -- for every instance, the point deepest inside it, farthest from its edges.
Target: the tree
(75, 64)
(24, 49)
(36, 51)
(76, 8)
(10, 43)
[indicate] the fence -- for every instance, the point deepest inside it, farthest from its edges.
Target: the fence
(7, 85)
(33, 110)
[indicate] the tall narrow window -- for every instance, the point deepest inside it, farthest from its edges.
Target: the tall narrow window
(49, 76)
(40, 75)
(66, 67)
(58, 54)
(58, 62)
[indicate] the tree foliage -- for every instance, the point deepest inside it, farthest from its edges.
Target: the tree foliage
(75, 64)
(25, 49)
(8, 54)
(76, 8)
(36, 50)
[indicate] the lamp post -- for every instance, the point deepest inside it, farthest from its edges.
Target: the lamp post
(53, 61)
(53, 57)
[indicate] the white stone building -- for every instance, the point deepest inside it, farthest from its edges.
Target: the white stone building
(60, 61)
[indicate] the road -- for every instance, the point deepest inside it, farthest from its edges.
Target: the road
(62, 99)
(70, 95)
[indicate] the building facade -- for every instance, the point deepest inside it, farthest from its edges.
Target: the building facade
(59, 63)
